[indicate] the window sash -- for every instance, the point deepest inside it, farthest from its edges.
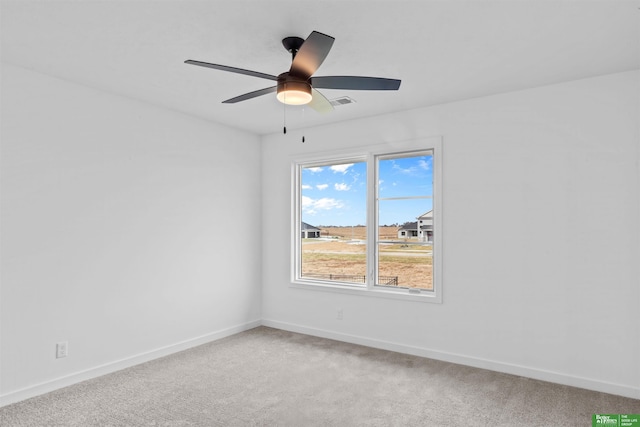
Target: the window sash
(374, 199)
(325, 162)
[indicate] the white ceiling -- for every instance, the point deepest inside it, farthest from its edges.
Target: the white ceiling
(442, 51)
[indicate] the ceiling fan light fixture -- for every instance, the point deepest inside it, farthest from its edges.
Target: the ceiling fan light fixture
(294, 93)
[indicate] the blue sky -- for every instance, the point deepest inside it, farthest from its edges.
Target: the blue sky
(336, 194)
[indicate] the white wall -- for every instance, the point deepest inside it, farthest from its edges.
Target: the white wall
(116, 232)
(541, 215)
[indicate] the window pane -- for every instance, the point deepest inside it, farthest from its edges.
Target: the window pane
(405, 222)
(333, 232)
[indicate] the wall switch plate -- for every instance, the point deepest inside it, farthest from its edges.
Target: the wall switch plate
(62, 349)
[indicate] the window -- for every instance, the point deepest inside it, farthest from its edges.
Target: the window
(369, 223)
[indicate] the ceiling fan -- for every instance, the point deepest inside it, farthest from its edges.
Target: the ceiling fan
(298, 86)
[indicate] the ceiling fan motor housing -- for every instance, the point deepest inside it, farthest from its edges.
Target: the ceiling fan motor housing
(293, 90)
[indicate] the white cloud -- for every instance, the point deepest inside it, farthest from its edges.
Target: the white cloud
(312, 206)
(341, 187)
(423, 165)
(326, 203)
(408, 171)
(314, 170)
(306, 187)
(341, 168)
(322, 186)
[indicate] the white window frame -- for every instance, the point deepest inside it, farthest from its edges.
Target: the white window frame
(370, 154)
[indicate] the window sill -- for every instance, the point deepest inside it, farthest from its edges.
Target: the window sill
(397, 294)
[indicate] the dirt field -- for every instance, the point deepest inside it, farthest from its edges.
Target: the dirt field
(410, 263)
(386, 233)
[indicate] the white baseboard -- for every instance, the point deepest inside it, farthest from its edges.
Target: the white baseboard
(67, 380)
(492, 365)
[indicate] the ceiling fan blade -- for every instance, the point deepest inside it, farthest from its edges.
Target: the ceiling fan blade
(355, 83)
(251, 95)
(311, 54)
(231, 69)
(319, 102)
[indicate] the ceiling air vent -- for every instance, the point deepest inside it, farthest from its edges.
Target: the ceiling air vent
(344, 100)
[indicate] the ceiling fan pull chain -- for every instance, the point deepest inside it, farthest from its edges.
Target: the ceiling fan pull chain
(284, 113)
(303, 121)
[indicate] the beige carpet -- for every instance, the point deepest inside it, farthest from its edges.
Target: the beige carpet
(268, 377)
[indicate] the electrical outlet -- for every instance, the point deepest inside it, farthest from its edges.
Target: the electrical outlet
(62, 349)
(339, 317)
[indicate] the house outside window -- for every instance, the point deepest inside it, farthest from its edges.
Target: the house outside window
(309, 231)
